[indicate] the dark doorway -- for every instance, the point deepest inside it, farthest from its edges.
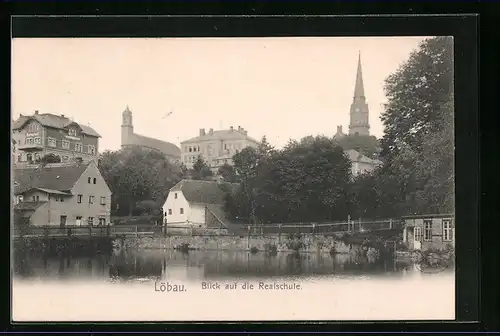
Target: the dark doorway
(62, 222)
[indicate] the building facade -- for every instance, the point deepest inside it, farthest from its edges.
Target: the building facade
(61, 194)
(40, 134)
(361, 164)
(423, 232)
(216, 147)
(131, 139)
(195, 203)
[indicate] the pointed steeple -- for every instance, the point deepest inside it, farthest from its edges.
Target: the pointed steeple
(359, 89)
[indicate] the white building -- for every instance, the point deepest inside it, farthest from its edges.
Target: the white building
(361, 164)
(196, 203)
(215, 147)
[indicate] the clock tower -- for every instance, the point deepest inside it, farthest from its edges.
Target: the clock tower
(359, 124)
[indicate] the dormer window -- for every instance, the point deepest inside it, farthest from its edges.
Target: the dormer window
(72, 132)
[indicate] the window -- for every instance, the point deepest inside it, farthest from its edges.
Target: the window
(95, 180)
(78, 220)
(88, 180)
(190, 149)
(182, 211)
(65, 158)
(79, 198)
(427, 229)
(61, 199)
(103, 200)
(225, 146)
(20, 199)
(65, 144)
(72, 132)
(169, 211)
(175, 195)
(78, 147)
(52, 142)
(91, 199)
(447, 230)
(418, 233)
(32, 127)
(19, 158)
(102, 221)
(29, 141)
(38, 140)
(90, 221)
(91, 149)
(35, 198)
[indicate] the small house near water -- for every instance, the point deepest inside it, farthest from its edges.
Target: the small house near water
(423, 232)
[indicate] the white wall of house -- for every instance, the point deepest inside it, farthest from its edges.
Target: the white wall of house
(172, 208)
(197, 215)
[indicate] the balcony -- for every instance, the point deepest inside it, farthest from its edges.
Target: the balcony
(30, 147)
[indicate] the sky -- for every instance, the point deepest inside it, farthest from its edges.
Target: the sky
(283, 88)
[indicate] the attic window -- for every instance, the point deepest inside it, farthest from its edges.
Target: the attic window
(88, 180)
(95, 180)
(175, 195)
(72, 132)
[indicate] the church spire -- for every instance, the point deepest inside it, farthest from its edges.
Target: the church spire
(359, 89)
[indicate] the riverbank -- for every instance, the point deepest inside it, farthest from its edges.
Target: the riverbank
(272, 244)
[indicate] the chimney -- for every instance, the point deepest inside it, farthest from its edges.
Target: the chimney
(231, 128)
(36, 112)
(62, 115)
(202, 131)
(211, 131)
(246, 132)
(339, 129)
(239, 128)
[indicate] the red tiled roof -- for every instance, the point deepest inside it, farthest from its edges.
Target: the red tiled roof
(204, 192)
(55, 177)
(54, 121)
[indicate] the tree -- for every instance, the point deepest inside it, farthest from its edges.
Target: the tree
(416, 93)
(306, 181)
(228, 173)
(200, 170)
(418, 142)
(136, 175)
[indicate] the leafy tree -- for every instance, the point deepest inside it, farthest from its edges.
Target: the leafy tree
(136, 175)
(200, 170)
(305, 181)
(418, 141)
(228, 173)
(416, 94)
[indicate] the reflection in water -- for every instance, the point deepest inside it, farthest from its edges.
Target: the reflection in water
(130, 265)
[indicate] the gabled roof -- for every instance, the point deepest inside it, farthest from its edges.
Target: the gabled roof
(204, 192)
(221, 135)
(54, 121)
(58, 177)
(165, 147)
(356, 156)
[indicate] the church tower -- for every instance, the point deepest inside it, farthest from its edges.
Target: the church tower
(127, 127)
(359, 124)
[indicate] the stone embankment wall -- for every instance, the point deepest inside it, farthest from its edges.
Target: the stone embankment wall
(305, 243)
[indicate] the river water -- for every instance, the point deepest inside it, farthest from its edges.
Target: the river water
(159, 285)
